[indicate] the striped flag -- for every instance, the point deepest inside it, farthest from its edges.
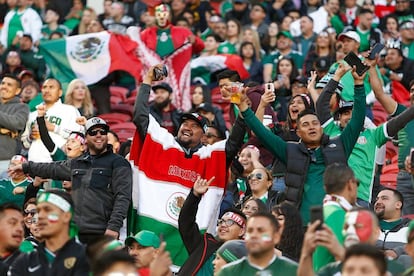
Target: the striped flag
(202, 67)
(178, 64)
(90, 57)
(162, 179)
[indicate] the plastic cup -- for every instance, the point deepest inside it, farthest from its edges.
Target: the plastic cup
(236, 88)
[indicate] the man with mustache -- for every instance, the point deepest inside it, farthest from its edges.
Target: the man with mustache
(393, 237)
(405, 142)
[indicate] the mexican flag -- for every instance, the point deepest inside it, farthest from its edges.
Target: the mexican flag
(203, 67)
(162, 179)
(90, 57)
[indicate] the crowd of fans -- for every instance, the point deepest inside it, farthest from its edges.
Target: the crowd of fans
(304, 129)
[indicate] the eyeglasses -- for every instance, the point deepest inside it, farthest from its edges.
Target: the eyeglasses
(400, 2)
(228, 222)
(30, 212)
(258, 176)
(211, 135)
(94, 132)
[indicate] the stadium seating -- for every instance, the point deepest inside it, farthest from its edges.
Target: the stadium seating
(124, 130)
(115, 118)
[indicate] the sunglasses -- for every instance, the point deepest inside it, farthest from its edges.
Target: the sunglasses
(30, 212)
(258, 176)
(94, 132)
(228, 222)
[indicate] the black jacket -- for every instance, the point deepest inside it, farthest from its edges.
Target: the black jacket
(199, 246)
(101, 188)
(69, 260)
(6, 262)
(298, 164)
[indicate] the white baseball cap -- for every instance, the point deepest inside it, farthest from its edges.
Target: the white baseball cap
(350, 34)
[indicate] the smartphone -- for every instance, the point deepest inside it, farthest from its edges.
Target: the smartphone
(376, 50)
(270, 86)
(316, 213)
(353, 60)
(280, 77)
(160, 73)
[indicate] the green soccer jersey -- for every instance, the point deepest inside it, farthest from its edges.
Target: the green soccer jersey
(6, 191)
(226, 48)
(46, 31)
(405, 138)
(363, 156)
(278, 267)
(364, 36)
(347, 82)
(408, 50)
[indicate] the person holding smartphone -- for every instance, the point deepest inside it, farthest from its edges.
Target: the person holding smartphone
(306, 160)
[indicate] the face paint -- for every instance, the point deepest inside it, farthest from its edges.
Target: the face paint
(53, 217)
(162, 14)
(266, 238)
(358, 227)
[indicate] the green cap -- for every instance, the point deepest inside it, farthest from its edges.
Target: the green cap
(144, 238)
(285, 34)
(232, 250)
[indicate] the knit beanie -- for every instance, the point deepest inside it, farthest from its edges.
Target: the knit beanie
(232, 250)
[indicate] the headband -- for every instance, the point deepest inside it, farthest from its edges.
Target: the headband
(56, 200)
(236, 217)
(19, 158)
(77, 136)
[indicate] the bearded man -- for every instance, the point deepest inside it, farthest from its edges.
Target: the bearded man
(166, 114)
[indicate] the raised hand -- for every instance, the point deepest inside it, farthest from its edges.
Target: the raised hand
(327, 238)
(343, 67)
(312, 80)
(81, 120)
(358, 80)
(201, 186)
(267, 97)
(160, 266)
(41, 110)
